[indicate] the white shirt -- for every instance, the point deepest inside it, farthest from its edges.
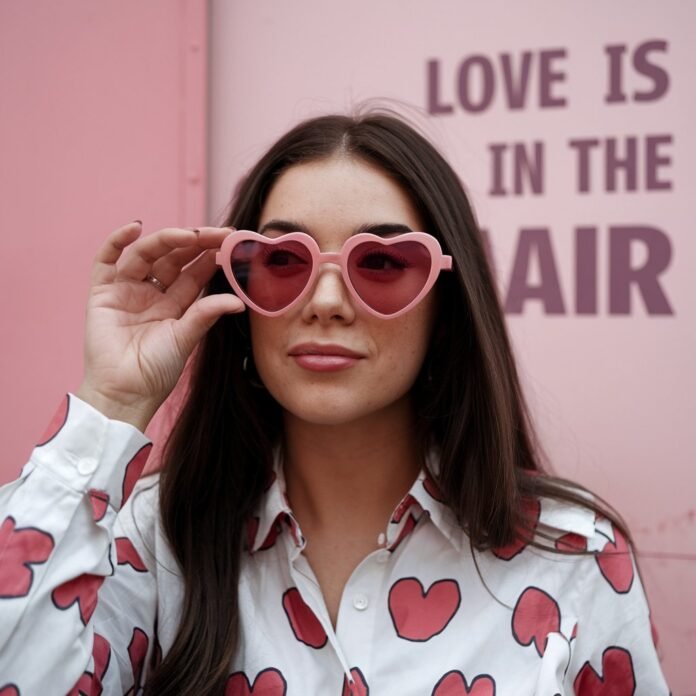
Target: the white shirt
(89, 589)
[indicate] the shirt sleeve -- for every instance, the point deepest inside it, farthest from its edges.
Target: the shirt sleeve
(612, 648)
(77, 603)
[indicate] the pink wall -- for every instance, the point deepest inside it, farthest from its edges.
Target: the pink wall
(102, 122)
(614, 393)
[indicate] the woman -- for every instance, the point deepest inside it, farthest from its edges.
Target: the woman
(351, 500)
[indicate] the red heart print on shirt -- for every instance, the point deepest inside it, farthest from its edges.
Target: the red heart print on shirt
(253, 530)
(269, 682)
(615, 564)
(126, 554)
(403, 507)
(20, 548)
(137, 650)
(82, 590)
(409, 526)
(618, 678)
(56, 423)
(99, 500)
(133, 470)
(536, 615)
(433, 489)
(9, 690)
(91, 682)
(418, 615)
(303, 622)
(358, 687)
(454, 684)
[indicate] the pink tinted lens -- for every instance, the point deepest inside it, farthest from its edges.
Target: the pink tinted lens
(389, 276)
(271, 275)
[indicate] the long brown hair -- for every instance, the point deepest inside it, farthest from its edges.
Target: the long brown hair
(219, 455)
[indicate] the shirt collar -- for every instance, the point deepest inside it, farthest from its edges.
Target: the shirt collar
(274, 514)
(572, 518)
(424, 497)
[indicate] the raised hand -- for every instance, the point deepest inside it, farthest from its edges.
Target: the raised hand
(137, 337)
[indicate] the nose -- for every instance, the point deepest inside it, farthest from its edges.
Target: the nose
(329, 299)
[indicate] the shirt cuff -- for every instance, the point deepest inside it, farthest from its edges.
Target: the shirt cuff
(89, 452)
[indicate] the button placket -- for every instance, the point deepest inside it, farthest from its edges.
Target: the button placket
(358, 612)
(306, 582)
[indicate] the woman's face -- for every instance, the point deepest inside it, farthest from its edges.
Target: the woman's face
(331, 199)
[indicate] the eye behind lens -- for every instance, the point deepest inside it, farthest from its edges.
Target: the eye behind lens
(374, 256)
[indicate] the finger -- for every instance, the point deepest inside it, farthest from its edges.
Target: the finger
(200, 316)
(188, 285)
(167, 268)
(143, 254)
(104, 267)
(213, 237)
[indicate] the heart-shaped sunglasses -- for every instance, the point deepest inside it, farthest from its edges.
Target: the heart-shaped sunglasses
(385, 276)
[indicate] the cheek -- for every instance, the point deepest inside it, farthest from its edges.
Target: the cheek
(423, 323)
(266, 341)
(407, 343)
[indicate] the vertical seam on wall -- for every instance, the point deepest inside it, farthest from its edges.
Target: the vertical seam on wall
(193, 17)
(181, 115)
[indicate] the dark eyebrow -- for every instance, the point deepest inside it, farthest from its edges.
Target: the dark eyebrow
(284, 226)
(381, 229)
(384, 228)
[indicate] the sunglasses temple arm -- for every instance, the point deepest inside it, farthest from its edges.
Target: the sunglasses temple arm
(446, 263)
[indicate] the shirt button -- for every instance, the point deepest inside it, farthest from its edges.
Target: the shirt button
(360, 602)
(87, 466)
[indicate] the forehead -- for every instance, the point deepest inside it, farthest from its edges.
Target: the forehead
(339, 193)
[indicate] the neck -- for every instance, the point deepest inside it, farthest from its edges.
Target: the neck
(355, 472)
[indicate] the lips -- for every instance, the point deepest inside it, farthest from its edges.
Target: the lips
(324, 349)
(324, 357)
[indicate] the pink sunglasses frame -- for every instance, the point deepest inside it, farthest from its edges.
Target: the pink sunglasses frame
(440, 262)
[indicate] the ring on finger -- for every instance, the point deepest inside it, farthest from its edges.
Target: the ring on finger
(149, 278)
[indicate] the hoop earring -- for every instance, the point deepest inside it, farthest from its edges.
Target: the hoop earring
(251, 372)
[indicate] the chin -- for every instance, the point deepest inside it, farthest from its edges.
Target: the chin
(337, 407)
(325, 419)
(326, 412)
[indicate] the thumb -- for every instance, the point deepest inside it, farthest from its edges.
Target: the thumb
(201, 315)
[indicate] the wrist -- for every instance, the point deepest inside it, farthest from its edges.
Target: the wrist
(135, 411)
